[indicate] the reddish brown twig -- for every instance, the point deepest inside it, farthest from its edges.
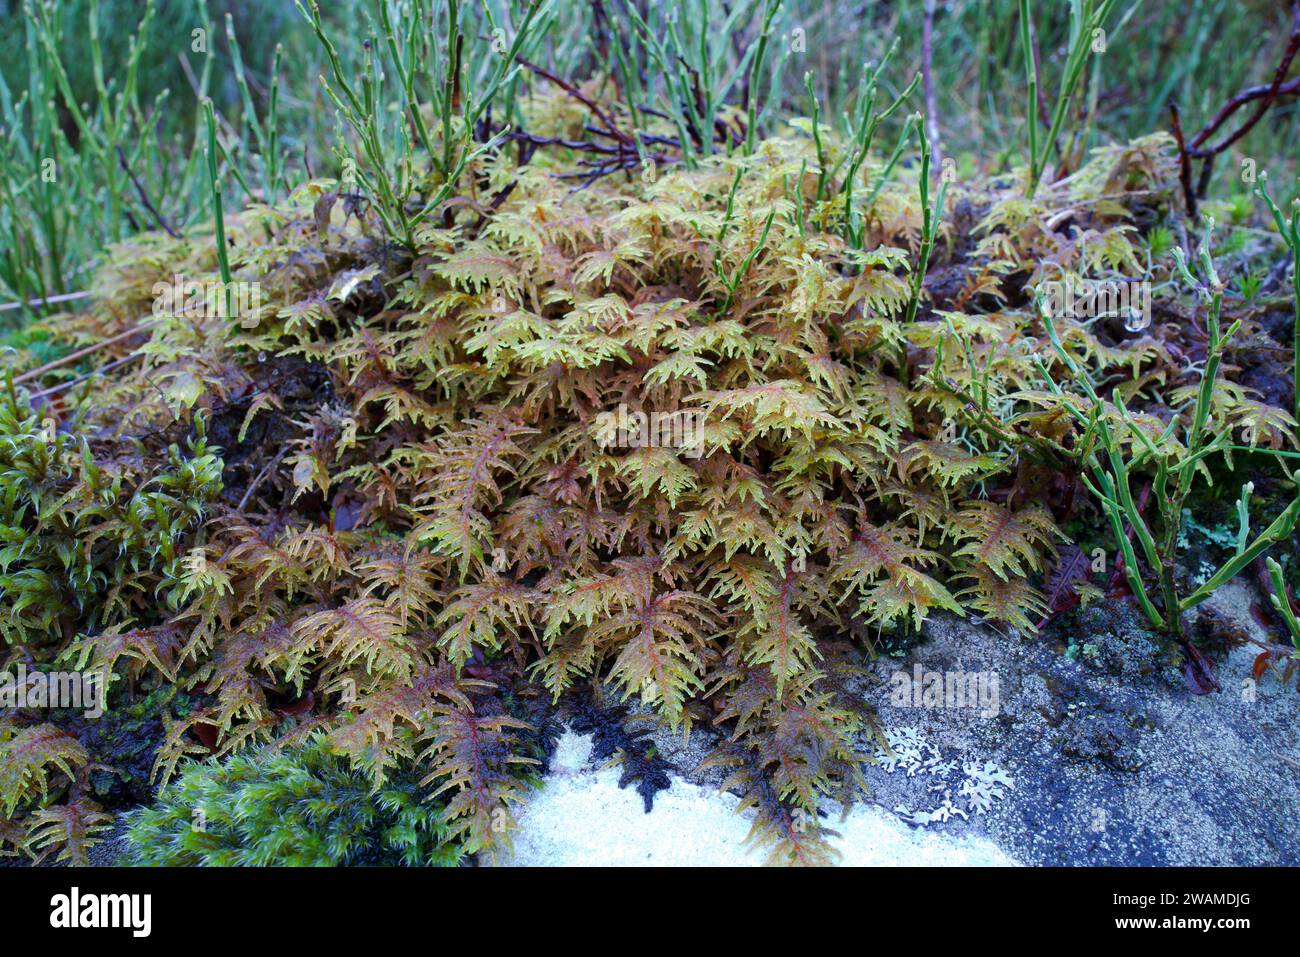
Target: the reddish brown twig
(74, 356)
(1265, 95)
(108, 367)
(578, 95)
(261, 476)
(47, 301)
(581, 146)
(1184, 160)
(144, 196)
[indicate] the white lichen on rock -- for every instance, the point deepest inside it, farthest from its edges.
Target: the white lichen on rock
(978, 785)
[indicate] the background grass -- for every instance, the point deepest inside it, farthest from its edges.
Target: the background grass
(68, 93)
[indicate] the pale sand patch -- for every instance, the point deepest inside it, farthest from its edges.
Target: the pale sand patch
(583, 818)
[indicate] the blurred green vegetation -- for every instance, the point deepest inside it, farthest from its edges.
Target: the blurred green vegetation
(101, 132)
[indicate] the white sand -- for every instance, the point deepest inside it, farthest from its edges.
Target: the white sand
(582, 818)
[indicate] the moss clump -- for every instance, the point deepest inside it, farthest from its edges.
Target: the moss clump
(300, 807)
(93, 528)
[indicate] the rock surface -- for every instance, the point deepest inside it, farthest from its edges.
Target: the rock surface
(1083, 746)
(582, 818)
